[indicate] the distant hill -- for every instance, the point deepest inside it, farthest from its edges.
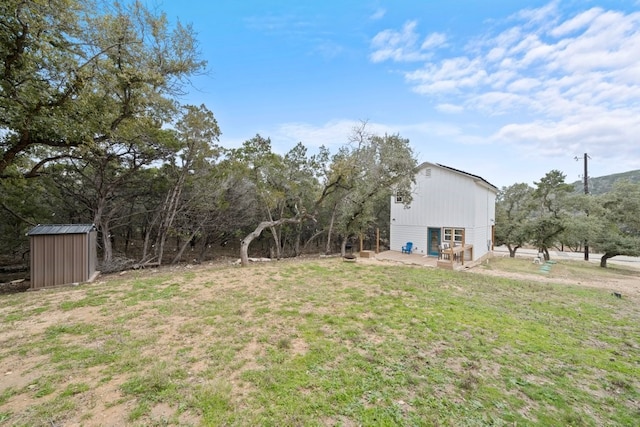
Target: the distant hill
(603, 184)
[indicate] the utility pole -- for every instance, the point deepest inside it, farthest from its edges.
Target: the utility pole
(586, 191)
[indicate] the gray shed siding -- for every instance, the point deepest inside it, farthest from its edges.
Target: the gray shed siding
(62, 254)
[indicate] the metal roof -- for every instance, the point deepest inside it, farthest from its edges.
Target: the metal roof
(42, 229)
(470, 175)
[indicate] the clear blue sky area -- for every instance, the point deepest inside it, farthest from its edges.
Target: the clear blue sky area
(504, 89)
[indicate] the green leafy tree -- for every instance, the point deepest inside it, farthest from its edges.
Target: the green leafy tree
(549, 220)
(578, 223)
(196, 135)
(74, 73)
(514, 206)
(285, 189)
(365, 173)
(617, 225)
(23, 204)
(101, 178)
(298, 188)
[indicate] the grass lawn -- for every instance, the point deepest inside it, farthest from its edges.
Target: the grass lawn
(321, 343)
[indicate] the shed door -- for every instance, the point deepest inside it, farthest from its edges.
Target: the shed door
(433, 237)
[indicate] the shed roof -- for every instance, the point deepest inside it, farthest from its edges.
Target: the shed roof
(45, 229)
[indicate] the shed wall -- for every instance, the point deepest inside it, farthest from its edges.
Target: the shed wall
(61, 259)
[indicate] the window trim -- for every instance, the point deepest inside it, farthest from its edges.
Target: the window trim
(453, 235)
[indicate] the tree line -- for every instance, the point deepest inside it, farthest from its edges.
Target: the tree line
(552, 214)
(92, 131)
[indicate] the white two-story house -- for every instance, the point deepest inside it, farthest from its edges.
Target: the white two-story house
(451, 209)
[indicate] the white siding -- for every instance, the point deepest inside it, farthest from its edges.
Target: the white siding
(401, 234)
(485, 200)
(444, 198)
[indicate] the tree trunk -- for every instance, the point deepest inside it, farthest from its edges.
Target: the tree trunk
(107, 248)
(170, 208)
(545, 251)
(184, 245)
(327, 250)
(311, 239)
(244, 245)
(605, 257)
(343, 246)
(296, 245)
(103, 226)
(276, 240)
(203, 249)
(147, 238)
(512, 250)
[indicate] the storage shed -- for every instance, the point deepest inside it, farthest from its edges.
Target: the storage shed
(62, 254)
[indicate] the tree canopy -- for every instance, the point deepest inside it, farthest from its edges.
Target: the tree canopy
(553, 214)
(75, 73)
(92, 130)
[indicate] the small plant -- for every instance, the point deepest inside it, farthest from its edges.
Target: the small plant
(284, 343)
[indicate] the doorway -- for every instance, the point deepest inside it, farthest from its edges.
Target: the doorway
(433, 237)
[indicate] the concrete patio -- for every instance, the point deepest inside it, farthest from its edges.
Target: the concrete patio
(410, 259)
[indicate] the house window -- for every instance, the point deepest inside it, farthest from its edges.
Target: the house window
(399, 198)
(454, 236)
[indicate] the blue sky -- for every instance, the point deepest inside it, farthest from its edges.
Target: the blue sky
(504, 89)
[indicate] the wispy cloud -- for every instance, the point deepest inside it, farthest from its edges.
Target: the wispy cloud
(450, 108)
(378, 14)
(564, 81)
(334, 133)
(404, 45)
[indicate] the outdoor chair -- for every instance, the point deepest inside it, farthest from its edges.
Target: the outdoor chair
(441, 251)
(407, 248)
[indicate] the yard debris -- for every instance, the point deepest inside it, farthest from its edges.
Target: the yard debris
(239, 261)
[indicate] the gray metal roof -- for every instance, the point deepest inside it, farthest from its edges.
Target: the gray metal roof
(475, 177)
(42, 229)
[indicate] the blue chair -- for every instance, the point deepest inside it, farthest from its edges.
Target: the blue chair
(407, 249)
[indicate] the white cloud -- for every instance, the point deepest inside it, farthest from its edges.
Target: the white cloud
(596, 134)
(577, 23)
(434, 40)
(541, 15)
(565, 82)
(450, 108)
(378, 14)
(524, 84)
(448, 76)
(403, 45)
(334, 133)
